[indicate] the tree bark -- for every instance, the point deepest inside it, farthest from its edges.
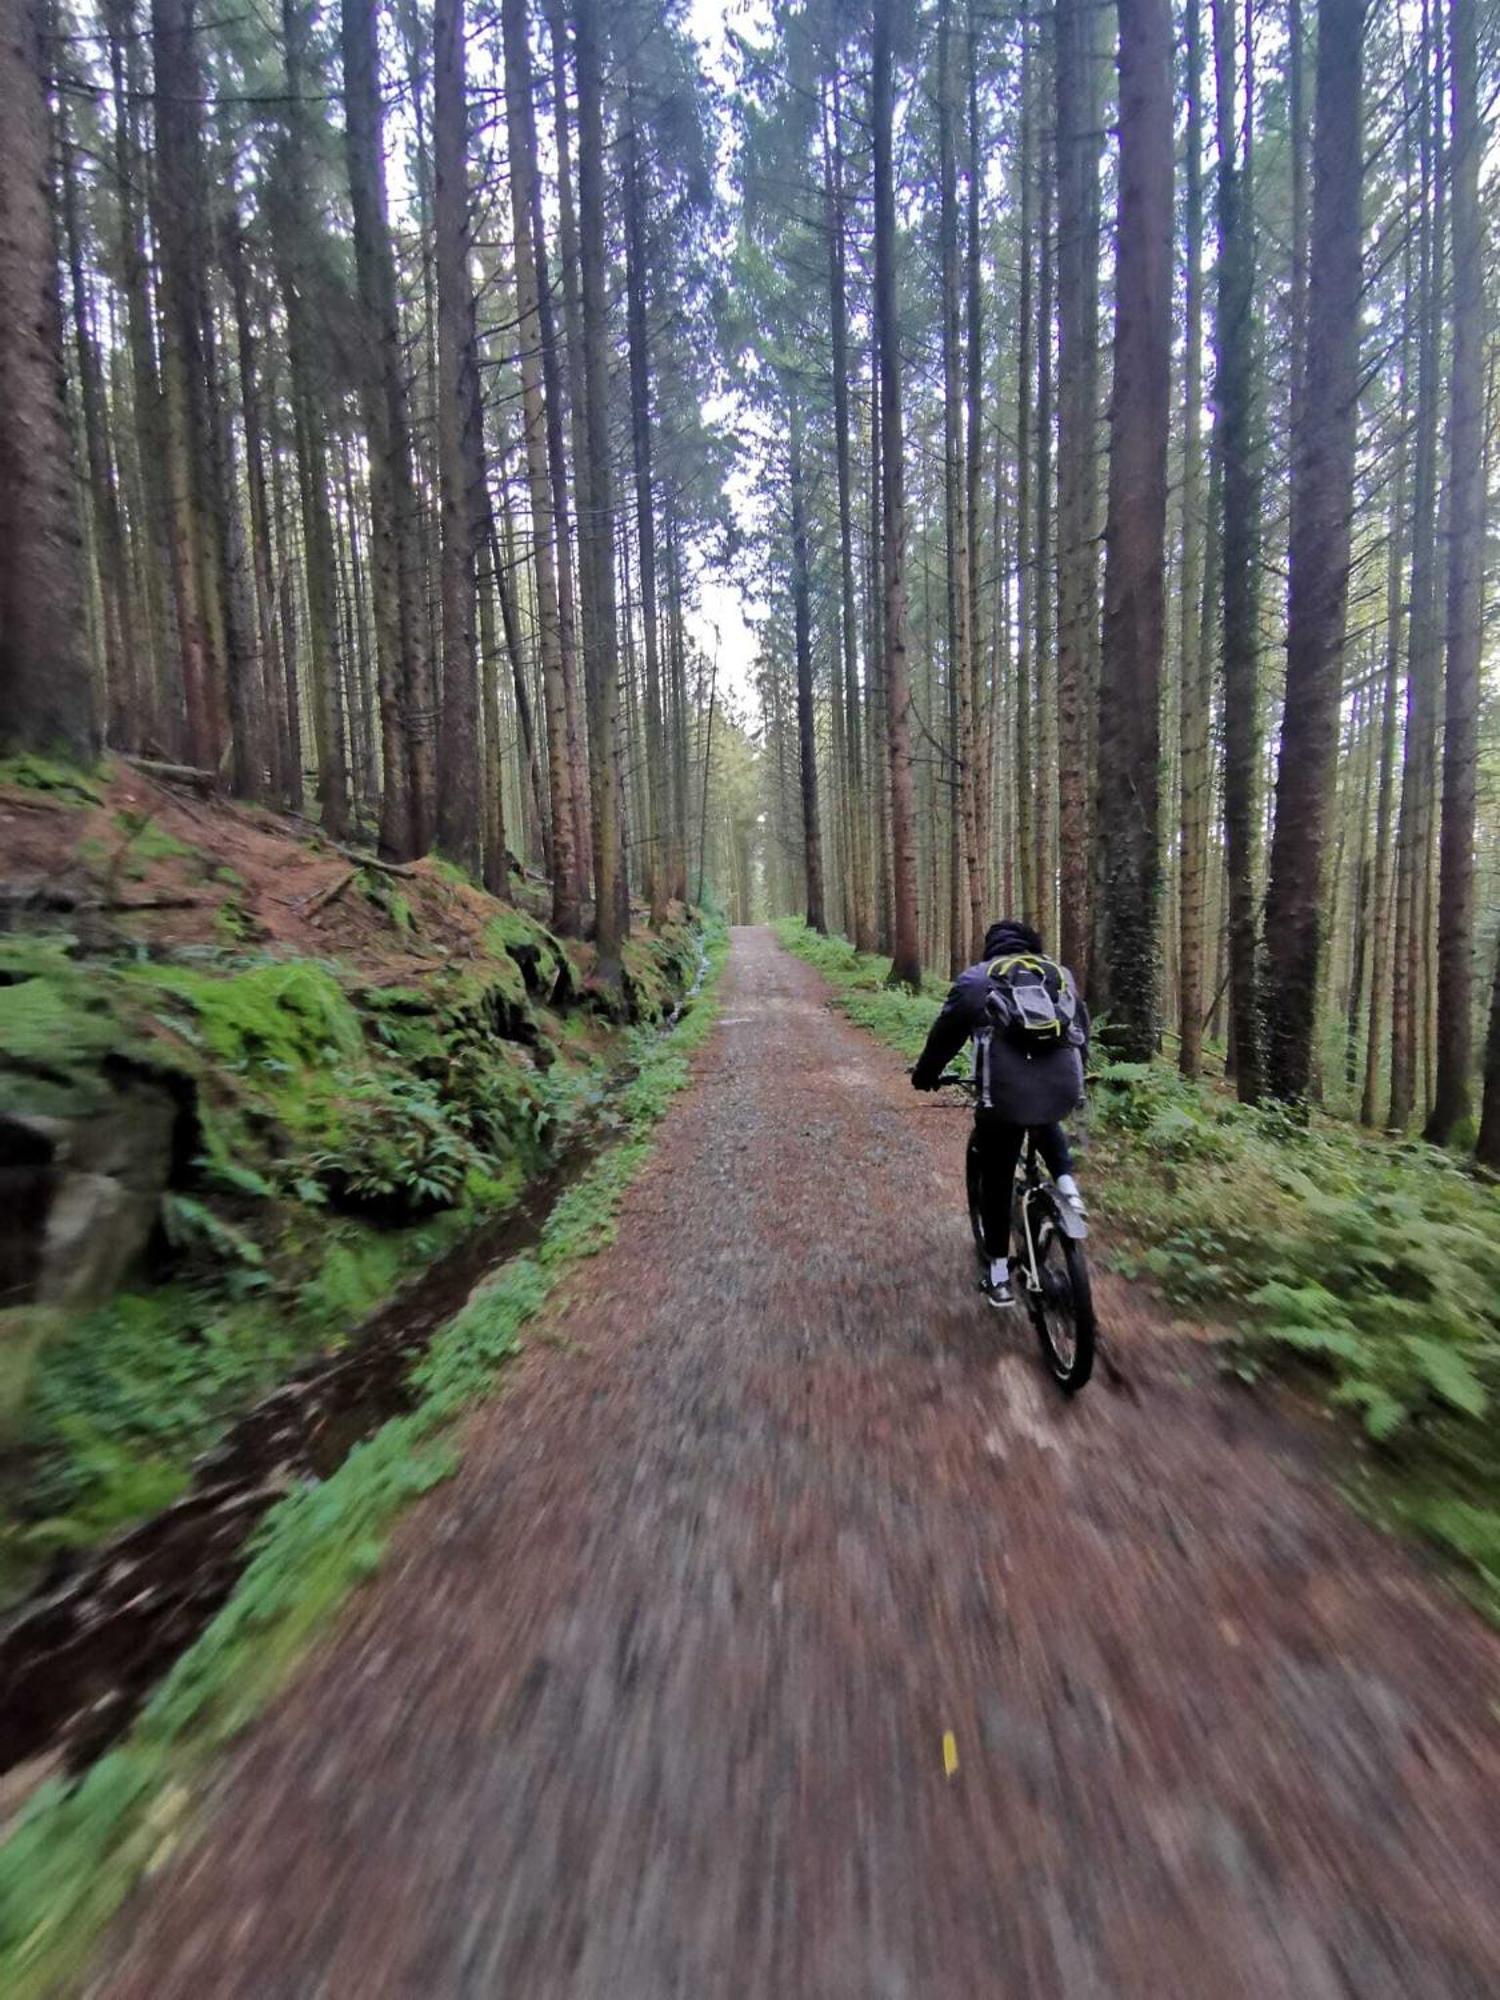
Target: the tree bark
(812, 836)
(1465, 636)
(838, 305)
(965, 899)
(1487, 1151)
(1196, 659)
(1238, 449)
(406, 808)
(247, 356)
(906, 965)
(1134, 586)
(525, 213)
(47, 695)
(178, 199)
(1027, 582)
(122, 700)
(1380, 929)
(596, 520)
(645, 509)
(572, 296)
(1077, 489)
(460, 821)
(1423, 642)
(1322, 500)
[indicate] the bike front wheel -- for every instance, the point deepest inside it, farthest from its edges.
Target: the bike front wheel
(1061, 1305)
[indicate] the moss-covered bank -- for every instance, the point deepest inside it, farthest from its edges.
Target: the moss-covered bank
(218, 1155)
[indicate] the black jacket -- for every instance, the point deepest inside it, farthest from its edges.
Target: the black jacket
(1024, 1089)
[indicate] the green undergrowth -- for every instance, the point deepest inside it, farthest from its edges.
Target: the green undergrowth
(861, 987)
(77, 1850)
(1369, 1267)
(331, 1135)
(1373, 1268)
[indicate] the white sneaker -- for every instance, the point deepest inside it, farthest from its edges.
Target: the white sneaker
(996, 1287)
(1067, 1187)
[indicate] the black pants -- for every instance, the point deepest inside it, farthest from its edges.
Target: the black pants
(999, 1148)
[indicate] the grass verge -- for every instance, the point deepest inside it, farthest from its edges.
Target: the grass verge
(78, 1849)
(1370, 1268)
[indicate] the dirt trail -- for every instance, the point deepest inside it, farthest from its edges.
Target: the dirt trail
(650, 1702)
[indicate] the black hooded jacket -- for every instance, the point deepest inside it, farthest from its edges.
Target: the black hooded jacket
(1024, 1088)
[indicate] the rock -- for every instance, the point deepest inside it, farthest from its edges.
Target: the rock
(82, 1195)
(97, 1228)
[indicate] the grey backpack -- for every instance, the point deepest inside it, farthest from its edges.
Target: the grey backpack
(1032, 1004)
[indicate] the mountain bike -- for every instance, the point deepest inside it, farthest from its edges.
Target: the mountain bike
(1049, 1267)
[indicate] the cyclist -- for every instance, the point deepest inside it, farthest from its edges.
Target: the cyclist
(1019, 1088)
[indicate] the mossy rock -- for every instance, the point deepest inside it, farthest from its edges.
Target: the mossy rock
(545, 968)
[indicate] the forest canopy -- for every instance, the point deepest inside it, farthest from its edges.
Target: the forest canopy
(1097, 403)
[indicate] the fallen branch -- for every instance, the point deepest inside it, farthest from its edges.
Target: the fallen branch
(330, 894)
(176, 774)
(372, 861)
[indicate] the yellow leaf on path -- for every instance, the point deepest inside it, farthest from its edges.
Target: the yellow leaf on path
(950, 1753)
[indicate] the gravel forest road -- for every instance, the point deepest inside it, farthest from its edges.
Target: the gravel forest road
(651, 1700)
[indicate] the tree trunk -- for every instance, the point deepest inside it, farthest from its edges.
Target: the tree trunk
(645, 511)
(1134, 585)
(596, 518)
(526, 219)
(965, 899)
(229, 568)
(906, 966)
(812, 838)
(247, 356)
(1025, 790)
(572, 296)
(178, 198)
(1237, 438)
(460, 820)
(863, 929)
(1196, 659)
(1466, 535)
(973, 469)
(157, 723)
(1045, 728)
(395, 560)
(1077, 397)
(47, 695)
(1322, 499)
(1414, 827)
(122, 701)
(1380, 931)
(1487, 1151)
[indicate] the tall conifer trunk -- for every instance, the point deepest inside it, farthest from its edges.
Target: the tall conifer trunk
(1322, 508)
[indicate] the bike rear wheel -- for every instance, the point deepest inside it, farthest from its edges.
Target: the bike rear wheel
(1062, 1307)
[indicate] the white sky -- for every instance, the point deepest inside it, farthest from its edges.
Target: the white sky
(726, 618)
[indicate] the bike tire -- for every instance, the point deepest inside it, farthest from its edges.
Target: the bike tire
(1065, 1283)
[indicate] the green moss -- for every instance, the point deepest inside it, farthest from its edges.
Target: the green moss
(449, 872)
(278, 1015)
(146, 841)
(65, 783)
(58, 1023)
